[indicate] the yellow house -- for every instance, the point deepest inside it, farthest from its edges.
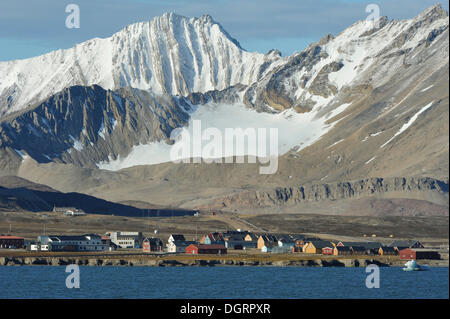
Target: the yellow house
(249, 237)
(265, 240)
(260, 242)
(315, 247)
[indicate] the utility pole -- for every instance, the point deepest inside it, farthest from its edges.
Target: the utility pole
(157, 221)
(148, 222)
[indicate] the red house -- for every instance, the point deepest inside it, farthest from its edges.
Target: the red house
(197, 249)
(417, 253)
(11, 242)
(327, 251)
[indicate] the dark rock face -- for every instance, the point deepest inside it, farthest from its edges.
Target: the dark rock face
(274, 93)
(332, 263)
(335, 191)
(229, 95)
(321, 85)
(85, 125)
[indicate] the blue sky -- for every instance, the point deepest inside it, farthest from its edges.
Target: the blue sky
(33, 27)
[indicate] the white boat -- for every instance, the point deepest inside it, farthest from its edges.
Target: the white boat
(411, 265)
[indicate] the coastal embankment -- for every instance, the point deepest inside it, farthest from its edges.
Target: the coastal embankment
(277, 260)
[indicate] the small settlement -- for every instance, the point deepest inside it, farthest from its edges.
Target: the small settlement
(219, 243)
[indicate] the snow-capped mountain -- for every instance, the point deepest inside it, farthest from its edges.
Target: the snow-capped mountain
(169, 54)
(364, 53)
(373, 93)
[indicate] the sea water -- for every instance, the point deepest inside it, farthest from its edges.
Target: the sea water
(221, 282)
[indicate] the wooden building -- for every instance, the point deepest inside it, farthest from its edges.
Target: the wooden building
(286, 242)
(176, 237)
(152, 244)
(178, 246)
(403, 244)
(316, 246)
(251, 237)
(267, 248)
(385, 250)
(7, 241)
(239, 244)
(212, 238)
(419, 253)
(200, 249)
(342, 251)
(358, 250)
(266, 239)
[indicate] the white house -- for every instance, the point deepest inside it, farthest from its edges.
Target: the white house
(178, 246)
(266, 248)
(88, 242)
(126, 239)
(175, 237)
(74, 212)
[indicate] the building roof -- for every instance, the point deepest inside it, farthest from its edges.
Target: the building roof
(177, 237)
(403, 243)
(61, 209)
(215, 236)
(421, 249)
(92, 235)
(10, 237)
(183, 243)
(153, 239)
(365, 244)
(72, 237)
(252, 236)
(298, 237)
(236, 232)
(282, 236)
(235, 238)
(206, 246)
(320, 243)
(286, 240)
(269, 238)
(66, 238)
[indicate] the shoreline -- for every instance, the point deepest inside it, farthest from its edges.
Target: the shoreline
(213, 261)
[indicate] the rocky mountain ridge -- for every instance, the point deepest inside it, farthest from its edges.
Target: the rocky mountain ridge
(329, 192)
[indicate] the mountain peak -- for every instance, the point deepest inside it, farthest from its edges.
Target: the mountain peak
(207, 18)
(433, 13)
(170, 54)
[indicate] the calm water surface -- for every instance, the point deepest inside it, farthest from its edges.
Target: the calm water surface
(220, 282)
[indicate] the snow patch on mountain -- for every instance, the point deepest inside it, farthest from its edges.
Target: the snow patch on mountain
(295, 130)
(21, 154)
(409, 123)
(76, 144)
